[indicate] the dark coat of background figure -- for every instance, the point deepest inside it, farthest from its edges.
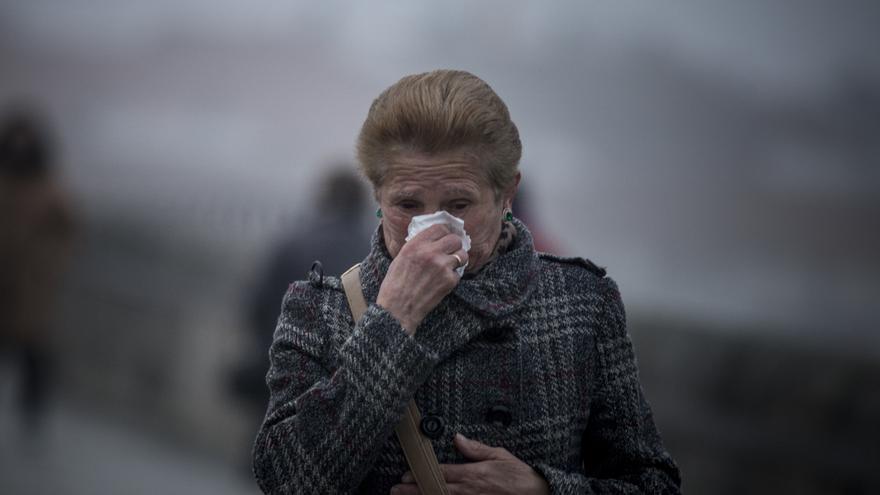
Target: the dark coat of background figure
(335, 238)
(36, 232)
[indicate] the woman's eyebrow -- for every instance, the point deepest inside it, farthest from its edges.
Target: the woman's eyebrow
(461, 191)
(403, 194)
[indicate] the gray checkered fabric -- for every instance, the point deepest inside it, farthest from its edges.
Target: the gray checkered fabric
(531, 355)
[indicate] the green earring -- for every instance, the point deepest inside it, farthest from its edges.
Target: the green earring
(508, 217)
(379, 212)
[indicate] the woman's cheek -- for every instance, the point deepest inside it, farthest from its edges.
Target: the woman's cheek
(480, 247)
(394, 230)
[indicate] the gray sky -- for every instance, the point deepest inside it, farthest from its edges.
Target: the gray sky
(688, 146)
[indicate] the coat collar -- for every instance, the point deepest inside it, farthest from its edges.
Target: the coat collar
(496, 291)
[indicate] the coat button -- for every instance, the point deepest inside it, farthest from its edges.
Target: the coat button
(496, 334)
(499, 415)
(432, 426)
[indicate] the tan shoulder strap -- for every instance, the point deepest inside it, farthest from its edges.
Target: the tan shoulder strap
(351, 282)
(417, 448)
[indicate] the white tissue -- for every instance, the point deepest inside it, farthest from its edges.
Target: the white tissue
(422, 222)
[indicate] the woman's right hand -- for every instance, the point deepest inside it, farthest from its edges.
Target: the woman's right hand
(421, 275)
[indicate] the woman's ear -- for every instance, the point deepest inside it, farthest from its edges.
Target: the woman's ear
(510, 193)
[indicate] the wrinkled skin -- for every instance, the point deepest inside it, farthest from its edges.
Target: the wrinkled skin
(494, 471)
(422, 273)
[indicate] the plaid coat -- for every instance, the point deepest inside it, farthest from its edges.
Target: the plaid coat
(531, 354)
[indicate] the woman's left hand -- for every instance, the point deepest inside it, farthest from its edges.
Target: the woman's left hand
(495, 470)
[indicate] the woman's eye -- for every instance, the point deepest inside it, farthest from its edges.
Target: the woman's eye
(408, 205)
(459, 206)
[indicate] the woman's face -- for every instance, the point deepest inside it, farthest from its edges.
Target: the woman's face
(419, 183)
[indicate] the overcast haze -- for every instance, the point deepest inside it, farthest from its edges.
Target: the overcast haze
(656, 137)
(719, 158)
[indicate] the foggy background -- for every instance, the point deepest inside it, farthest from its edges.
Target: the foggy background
(719, 158)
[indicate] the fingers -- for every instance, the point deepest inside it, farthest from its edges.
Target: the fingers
(439, 237)
(439, 241)
(458, 258)
(457, 473)
(433, 233)
(441, 246)
(458, 261)
(448, 244)
(498, 468)
(413, 489)
(421, 275)
(405, 489)
(478, 451)
(452, 473)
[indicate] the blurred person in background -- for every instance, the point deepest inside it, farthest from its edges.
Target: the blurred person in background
(332, 233)
(525, 211)
(36, 228)
(525, 354)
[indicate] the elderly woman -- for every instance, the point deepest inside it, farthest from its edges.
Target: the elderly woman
(523, 362)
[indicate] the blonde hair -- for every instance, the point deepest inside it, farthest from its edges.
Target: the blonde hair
(443, 111)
